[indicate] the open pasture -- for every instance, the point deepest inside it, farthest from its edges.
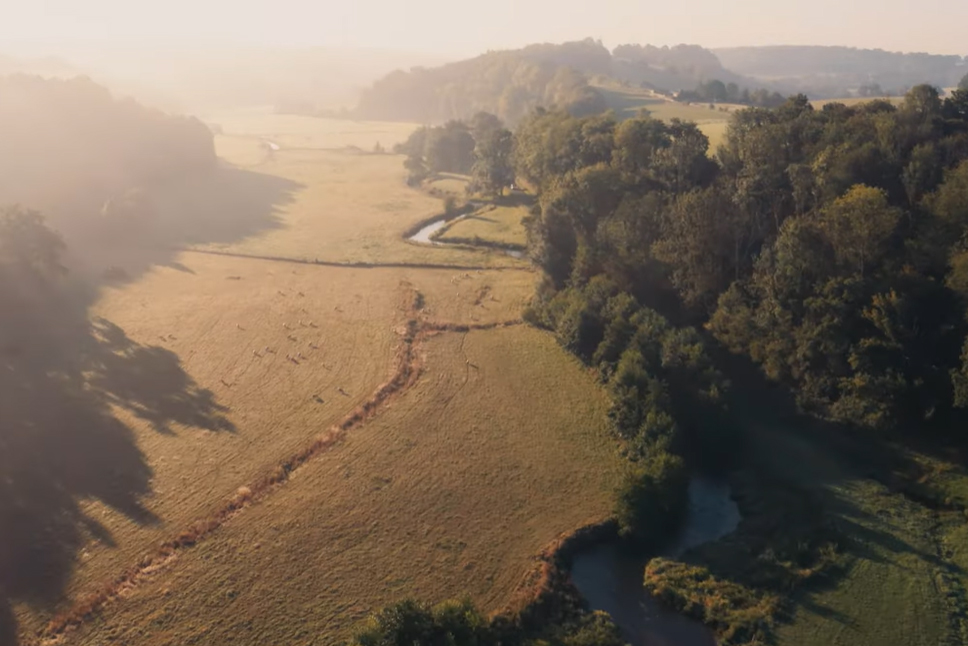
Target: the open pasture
(497, 449)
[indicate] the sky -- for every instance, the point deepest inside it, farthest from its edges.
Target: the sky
(463, 28)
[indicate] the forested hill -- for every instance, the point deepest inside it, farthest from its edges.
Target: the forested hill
(511, 84)
(834, 71)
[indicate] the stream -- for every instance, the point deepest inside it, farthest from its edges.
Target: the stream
(424, 236)
(611, 580)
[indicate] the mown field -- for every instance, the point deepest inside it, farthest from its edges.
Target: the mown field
(219, 368)
(450, 492)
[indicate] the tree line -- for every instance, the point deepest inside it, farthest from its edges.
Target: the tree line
(826, 245)
(480, 148)
(715, 91)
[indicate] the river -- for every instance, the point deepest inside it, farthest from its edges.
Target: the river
(424, 236)
(611, 580)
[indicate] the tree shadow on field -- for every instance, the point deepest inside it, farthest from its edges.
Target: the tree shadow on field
(220, 206)
(64, 376)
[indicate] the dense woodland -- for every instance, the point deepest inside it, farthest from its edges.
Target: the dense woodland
(825, 245)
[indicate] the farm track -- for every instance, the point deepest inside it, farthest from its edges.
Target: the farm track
(408, 368)
(356, 265)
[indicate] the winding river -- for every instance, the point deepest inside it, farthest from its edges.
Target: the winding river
(611, 580)
(425, 235)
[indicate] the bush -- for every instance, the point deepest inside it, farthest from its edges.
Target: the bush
(652, 500)
(451, 206)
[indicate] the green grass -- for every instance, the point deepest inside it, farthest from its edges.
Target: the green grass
(887, 593)
(626, 102)
(449, 183)
(496, 224)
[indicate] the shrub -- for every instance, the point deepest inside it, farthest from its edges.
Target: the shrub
(652, 500)
(738, 614)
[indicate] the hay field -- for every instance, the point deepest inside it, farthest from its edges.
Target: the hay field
(450, 491)
(454, 482)
(497, 224)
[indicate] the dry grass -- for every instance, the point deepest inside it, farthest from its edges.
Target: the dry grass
(498, 448)
(716, 132)
(295, 131)
(499, 224)
(450, 183)
(346, 207)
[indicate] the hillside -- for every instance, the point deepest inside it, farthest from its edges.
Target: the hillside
(512, 83)
(509, 84)
(837, 71)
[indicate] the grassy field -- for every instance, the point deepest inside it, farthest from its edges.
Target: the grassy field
(211, 370)
(294, 131)
(497, 224)
(341, 207)
(626, 102)
(450, 183)
(890, 592)
(450, 492)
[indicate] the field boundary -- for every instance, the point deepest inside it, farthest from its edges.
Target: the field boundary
(354, 265)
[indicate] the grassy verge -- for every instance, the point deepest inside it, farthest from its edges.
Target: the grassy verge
(495, 225)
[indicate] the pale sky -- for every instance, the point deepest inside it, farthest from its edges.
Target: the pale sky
(463, 28)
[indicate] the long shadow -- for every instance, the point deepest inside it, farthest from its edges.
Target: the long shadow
(790, 485)
(63, 376)
(220, 206)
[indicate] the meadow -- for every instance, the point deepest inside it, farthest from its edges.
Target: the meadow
(627, 102)
(497, 224)
(436, 453)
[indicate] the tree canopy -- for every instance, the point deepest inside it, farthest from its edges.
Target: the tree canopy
(827, 245)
